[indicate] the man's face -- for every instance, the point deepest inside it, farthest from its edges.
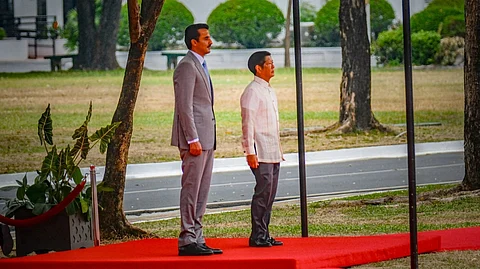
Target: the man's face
(202, 46)
(267, 70)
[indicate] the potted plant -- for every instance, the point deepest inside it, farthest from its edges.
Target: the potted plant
(59, 175)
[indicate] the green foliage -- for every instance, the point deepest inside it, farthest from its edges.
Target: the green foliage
(451, 49)
(3, 34)
(169, 30)
(250, 23)
(307, 12)
(389, 47)
(431, 18)
(327, 25)
(382, 16)
(425, 44)
(60, 173)
(453, 26)
(448, 3)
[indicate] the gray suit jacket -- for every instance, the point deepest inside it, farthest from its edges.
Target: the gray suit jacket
(193, 116)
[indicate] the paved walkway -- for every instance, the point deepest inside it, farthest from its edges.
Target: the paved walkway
(156, 170)
(25, 66)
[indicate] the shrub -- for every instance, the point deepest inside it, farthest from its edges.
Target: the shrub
(425, 44)
(451, 51)
(389, 47)
(448, 3)
(169, 30)
(250, 23)
(431, 18)
(307, 12)
(70, 31)
(327, 25)
(382, 16)
(3, 34)
(453, 26)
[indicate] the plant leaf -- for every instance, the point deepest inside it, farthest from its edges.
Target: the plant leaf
(45, 127)
(71, 209)
(37, 193)
(82, 145)
(85, 205)
(40, 208)
(21, 193)
(84, 128)
(102, 188)
(105, 134)
(77, 175)
(50, 163)
(89, 114)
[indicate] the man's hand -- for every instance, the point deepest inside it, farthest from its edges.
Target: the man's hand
(196, 148)
(252, 160)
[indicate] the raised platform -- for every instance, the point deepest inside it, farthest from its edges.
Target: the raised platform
(297, 253)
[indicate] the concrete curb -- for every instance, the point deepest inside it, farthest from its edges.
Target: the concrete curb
(156, 170)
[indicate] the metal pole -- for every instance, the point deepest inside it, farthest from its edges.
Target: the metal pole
(412, 194)
(301, 133)
(95, 220)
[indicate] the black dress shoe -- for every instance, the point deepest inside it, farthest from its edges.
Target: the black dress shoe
(214, 250)
(259, 243)
(274, 242)
(193, 250)
(6, 241)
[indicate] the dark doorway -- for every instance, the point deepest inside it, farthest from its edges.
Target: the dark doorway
(7, 22)
(41, 19)
(68, 5)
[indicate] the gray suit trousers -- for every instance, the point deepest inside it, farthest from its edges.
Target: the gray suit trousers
(266, 176)
(196, 178)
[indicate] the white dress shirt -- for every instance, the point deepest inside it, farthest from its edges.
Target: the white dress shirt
(260, 122)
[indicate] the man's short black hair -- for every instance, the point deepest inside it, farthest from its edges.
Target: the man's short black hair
(257, 58)
(191, 32)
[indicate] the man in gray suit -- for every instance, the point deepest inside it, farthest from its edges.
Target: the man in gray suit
(194, 134)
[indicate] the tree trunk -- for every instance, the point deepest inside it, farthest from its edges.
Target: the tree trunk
(287, 34)
(355, 88)
(471, 181)
(97, 45)
(113, 222)
(86, 33)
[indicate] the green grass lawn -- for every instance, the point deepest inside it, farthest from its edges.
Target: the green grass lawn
(438, 97)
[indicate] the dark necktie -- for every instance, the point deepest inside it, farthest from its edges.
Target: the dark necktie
(204, 64)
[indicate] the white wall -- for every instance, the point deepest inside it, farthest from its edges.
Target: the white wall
(55, 8)
(24, 8)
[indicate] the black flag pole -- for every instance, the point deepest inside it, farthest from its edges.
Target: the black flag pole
(300, 124)
(412, 193)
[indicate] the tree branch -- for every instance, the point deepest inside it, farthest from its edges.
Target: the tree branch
(134, 20)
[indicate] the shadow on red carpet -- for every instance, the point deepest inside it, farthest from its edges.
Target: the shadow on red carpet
(297, 253)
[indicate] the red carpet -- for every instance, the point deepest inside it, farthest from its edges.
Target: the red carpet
(297, 253)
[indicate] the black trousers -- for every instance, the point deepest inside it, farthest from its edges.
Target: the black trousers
(266, 176)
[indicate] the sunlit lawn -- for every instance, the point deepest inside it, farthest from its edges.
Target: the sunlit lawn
(438, 97)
